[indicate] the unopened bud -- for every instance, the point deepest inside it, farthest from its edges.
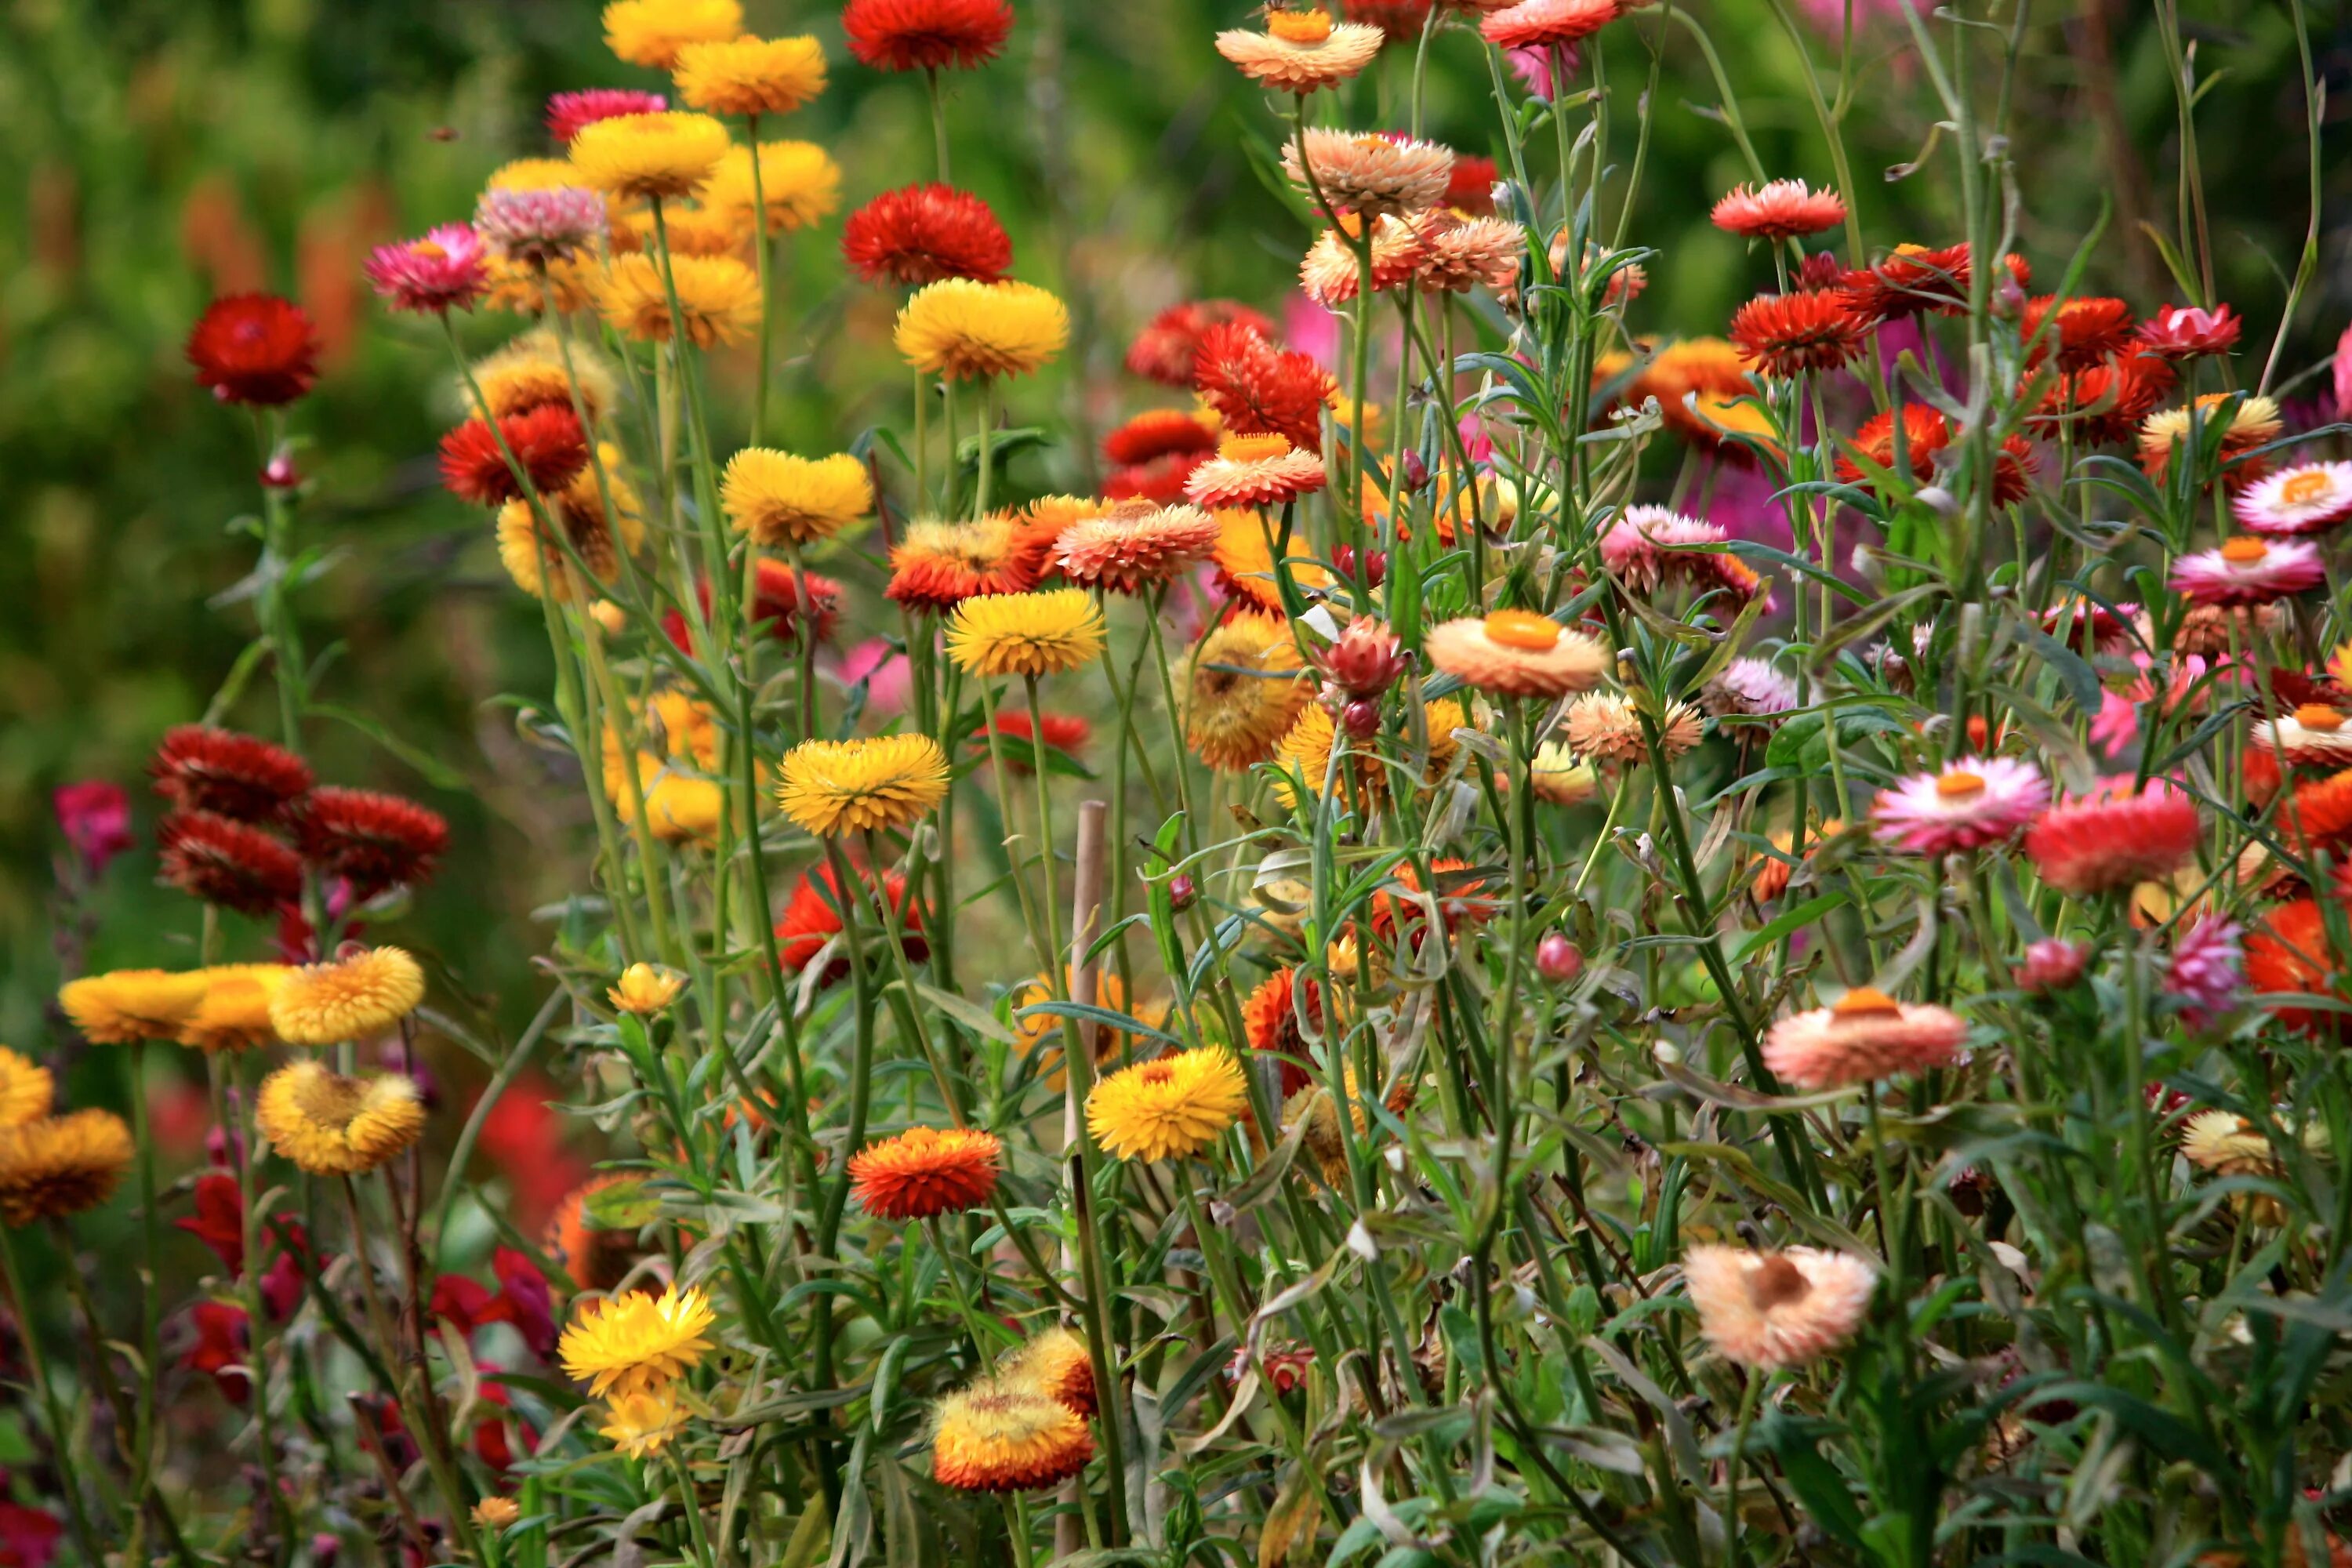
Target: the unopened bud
(1181, 891)
(1362, 717)
(1557, 959)
(1376, 568)
(1412, 471)
(280, 473)
(1365, 661)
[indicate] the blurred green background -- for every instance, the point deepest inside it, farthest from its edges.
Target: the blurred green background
(167, 150)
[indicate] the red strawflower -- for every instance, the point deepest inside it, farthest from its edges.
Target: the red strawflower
(255, 349)
(373, 841)
(547, 441)
(1788, 335)
(2114, 837)
(1820, 269)
(1064, 733)
(227, 863)
(2108, 402)
(1155, 433)
(1397, 20)
(2289, 954)
(568, 113)
(775, 603)
(926, 1171)
(219, 1219)
(1913, 278)
(1165, 351)
(1778, 210)
(1470, 187)
(1162, 480)
(28, 1536)
(241, 777)
(926, 34)
(812, 918)
(1926, 432)
(1546, 24)
(1262, 390)
(1270, 1021)
(924, 233)
(523, 1139)
(2085, 333)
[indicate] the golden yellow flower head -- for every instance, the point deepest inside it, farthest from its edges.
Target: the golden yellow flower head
(352, 998)
(717, 298)
(642, 1424)
(1027, 634)
(649, 157)
(750, 76)
(652, 33)
(125, 1006)
(636, 1343)
(527, 551)
(329, 1125)
(234, 1014)
(799, 185)
(496, 1513)
(1169, 1108)
(778, 498)
(565, 288)
(1056, 1363)
(528, 372)
(533, 174)
(833, 788)
(683, 803)
(58, 1165)
(645, 989)
(693, 231)
(965, 329)
(26, 1091)
(1244, 688)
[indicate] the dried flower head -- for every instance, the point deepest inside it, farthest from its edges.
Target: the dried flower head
(1368, 175)
(445, 270)
(996, 1436)
(1136, 545)
(1604, 726)
(2306, 498)
(241, 777)
(1776, 1310)
(53, 1166)
(1517, 653)
(2248, 570)
(1301, 51)
(1056, 1363)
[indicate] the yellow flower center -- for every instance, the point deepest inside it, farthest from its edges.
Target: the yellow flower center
(2319, 716)
(1300, 26)
(1523, 629)
(1252, 448)
(1866, 1002)
(2245, 551)
(2305, 488)
(1960, 785)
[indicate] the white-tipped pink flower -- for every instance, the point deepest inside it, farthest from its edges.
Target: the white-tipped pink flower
(1749, 687)
(1973, 802)
(2248, 571)
(445, 270)
(1774, 1310)
(1254, 470)
(551, 225)
(1864, 1036)
(2309, 498)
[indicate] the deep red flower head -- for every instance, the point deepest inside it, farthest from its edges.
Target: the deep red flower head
(926, 34)
(1155, 433)
(1064, 733)
(523, 1138)
(28, 1536)
(1270, 1020)
(255, 349)
(812, 918)
(775, 604)
(1926, 432)
(924, 233)
(95, 817)
(1260, 389)
(1161, 481)
(2290, 955)
(1913, 278)
(2085, 333)
(241, 777)
(1165, 351)
(1786, 334)
(1471, 188)
(227, 863)
(373, 841)
(547, 441)
(568, 113)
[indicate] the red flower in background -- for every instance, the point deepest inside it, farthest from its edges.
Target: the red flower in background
(547, 442)
(1261, 390)
(776, 603)
(1926, 432)
(1166, 350)
(219, 1219)
(812, 918)
(924, 233)
(1064, 733)
(1913, 278)
(95, 817)
(522, 1136)
(926, 34)
(2108, 402)
(1470, 187)
(2085, 333)
(241, 777)
(255, 349)
(219, 1348)
(227, 863)
(373, 841)
(1786, 334)
(1155, 433)
(568, 113)
(28, 1536)
(1161, 481)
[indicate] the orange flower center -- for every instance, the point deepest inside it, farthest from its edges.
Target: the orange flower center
(1523, 629)
(2245, 551)
(1777, 1282)
(1960, 785)
(2305, 488)
(1157, 1072)
(1252, 448)
(1866, 1002)
(428, 250)
(1299, 27)
(2319, 716)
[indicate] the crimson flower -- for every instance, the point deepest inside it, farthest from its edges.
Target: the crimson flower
(255, 349)
(926, 34)
(924, 233)
(547, 441)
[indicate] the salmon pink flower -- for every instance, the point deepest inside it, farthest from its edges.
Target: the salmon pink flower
(446, 270)
(2185, 331)
(2248, 570)
(2114, 837)
(1864, 1036)
(1778, 210)
(1774, 1310)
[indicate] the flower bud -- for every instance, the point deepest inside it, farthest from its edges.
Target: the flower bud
(1376, 568)
(2051, 964)
(1362, 717)
(1557, 958)
(1181, 891)
(1365, 661)
(280, 473)
(1412, 472)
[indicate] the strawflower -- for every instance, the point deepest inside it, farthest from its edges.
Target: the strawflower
(355, 997)
(997, 1437)
(926, 1171)
(1301, 51)
(1167, 1109)
(255, 349)
(967, 331)
(1776, 1310)
(922, 234)
(442, 271)
(638, 1344)
(1862, 1037)
(927, 35)
(749, 76)
(329, 1125)
(53, 1166)
(832, 788)
(1965, 805)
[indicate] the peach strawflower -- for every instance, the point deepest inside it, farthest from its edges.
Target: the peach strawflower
(1136, 545)
(2112, 838)
(1775, 1309)
(1517, 653)
(1862, 1037)
(2308, 498)
(1301, 51)
(2248, 570)
(1368, 175)
(1778, 210)
(1459, 255)
(1964, 805)
(1546, 24)
(1254, 471)
(1603, 726)
(926, 1171)
(1331, 273)
(938, 565)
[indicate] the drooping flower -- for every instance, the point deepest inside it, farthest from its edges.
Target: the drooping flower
(2187, 332)
(1301, 51)
(651, 32)
(1167, 350)
(938, 565)
(638, 1344)
(355, 997)
(2306, 498)
(329, 1125)
(2114, 837)
(543, 227)
(997, 1437)
(1368, 175)
(445, 270)
(1778, 210)
(123, 1006)
(642, 1425)
(234, 1013)
(923, 233)
(255, 349)
(877, 783)
(1862, 1037)
(547, 443)
(927, 35)
(53, 1166)
(2248, 570)
(966, 331)
(1241, 692)
(645, 990)
(1169, 1108)
(812, 919)
(1057, 1365)
(749, 76)
(717, 298)
(780, 499)
(1258, 389)
(1964, 805)
(241, 777)
(1517, 653)
(1776, 1310)
(227, 863)
(372, 840)
(1547, 25)
(2205, 972)
(569, 113)
(1135, 546)
(798, 185)
(2227, 1144)
(926, 1171)
(1789, 334)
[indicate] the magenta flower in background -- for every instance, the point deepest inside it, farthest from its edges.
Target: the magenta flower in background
(28, 1536)
(889, 683)
(96, 818)
(2343, 374)
(1533, 68)
(1311, 330)
(2208, 969)
(445, 268)
(2054, 963)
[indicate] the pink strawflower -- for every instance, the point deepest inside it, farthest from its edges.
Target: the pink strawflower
(1533, 68)
(1751, 687)
(2054, 963)
(2308, 498)
(551, 225)
(444, 270)
(2112, 838)
(1970, 803)
(2208, 969)
(96, 818)
(1864, 1036)
(2184, 332)
(1649, 546)
(2343, 374)
(2248, 571)
(1774, 1310)
(569, 112)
